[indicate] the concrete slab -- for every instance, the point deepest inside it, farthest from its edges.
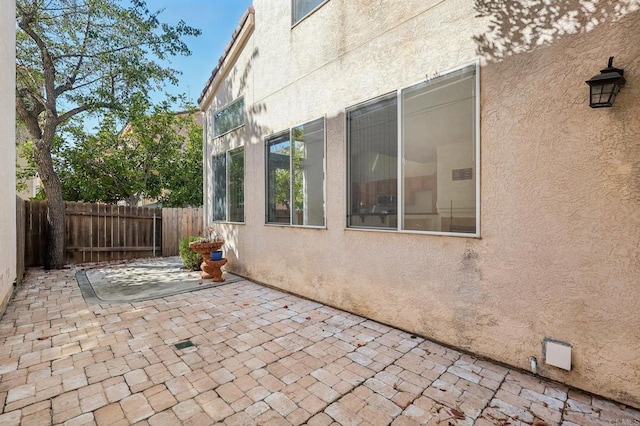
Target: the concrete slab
(142, 280)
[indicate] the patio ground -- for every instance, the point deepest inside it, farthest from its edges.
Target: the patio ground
(260, 356)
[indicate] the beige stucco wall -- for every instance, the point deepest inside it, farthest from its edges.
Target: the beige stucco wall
(7, 153)
(559, 252)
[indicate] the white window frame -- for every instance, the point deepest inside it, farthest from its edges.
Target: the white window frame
(400, 192)
(226, 106)
(291, 189)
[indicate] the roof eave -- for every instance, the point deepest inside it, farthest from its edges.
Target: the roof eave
(227, 60)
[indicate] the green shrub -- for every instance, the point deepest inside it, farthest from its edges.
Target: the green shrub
(190, 259)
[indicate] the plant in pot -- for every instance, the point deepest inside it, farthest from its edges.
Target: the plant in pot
(210, 241)
(209, 248)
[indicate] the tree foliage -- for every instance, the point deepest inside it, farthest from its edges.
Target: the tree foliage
(157, 155)
(81, 56)
(183, 184)
(25, 169)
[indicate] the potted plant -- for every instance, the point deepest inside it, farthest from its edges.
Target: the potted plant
(210, 241)
(209, 247)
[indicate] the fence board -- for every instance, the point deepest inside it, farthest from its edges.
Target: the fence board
(178, 223)
(35, 233)
(168, 230)
(128, 229)
(20, 237)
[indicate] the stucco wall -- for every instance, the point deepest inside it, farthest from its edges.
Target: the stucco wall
(7, 153)
(559, 252)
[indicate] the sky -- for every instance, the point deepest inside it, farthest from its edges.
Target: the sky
(217, 19)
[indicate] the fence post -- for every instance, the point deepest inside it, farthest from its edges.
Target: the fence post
(154, 233)
(20, 237)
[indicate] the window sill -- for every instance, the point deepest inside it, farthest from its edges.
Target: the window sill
(286, 225)
(410, 232)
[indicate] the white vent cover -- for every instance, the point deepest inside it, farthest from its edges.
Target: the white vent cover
(557, 354)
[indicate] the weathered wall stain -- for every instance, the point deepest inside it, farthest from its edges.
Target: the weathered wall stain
(558, 254)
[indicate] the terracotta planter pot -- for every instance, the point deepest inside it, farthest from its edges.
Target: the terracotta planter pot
(205, 249)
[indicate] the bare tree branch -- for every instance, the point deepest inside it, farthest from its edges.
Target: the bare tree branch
(68, 85)
(82, 108)
(47, 62)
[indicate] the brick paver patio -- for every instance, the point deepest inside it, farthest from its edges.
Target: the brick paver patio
(260, 356)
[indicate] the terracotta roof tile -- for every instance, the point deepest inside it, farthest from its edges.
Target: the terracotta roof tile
(250, 11)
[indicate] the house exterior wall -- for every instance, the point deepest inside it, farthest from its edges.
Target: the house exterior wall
(558, 254)
(7, 154)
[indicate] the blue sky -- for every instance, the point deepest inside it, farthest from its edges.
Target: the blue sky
(217, 19)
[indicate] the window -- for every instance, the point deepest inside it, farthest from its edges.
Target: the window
(421, 173)
(220, 187)
(228, 118)
(295, 175)
(302, 8)
(228, 186)
(373, 161)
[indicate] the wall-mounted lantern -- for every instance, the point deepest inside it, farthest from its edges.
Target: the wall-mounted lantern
(604, 87)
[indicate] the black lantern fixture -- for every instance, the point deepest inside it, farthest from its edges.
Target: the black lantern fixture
(604, 87)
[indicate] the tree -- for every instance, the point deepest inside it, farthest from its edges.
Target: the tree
(183, 184)
(25, 167)
(157, 155)
(82, 56)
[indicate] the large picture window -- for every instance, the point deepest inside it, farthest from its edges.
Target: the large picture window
(301, 8)
(295, 175)
(434, 186)
(228, 118)
(228, 186)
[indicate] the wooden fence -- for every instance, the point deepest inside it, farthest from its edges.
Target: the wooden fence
(20, 237)
(101, 232)
(35, 234)
(177, 224)
(98, 232)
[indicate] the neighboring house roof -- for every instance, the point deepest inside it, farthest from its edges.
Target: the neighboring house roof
(231, 52)
(197, 119)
